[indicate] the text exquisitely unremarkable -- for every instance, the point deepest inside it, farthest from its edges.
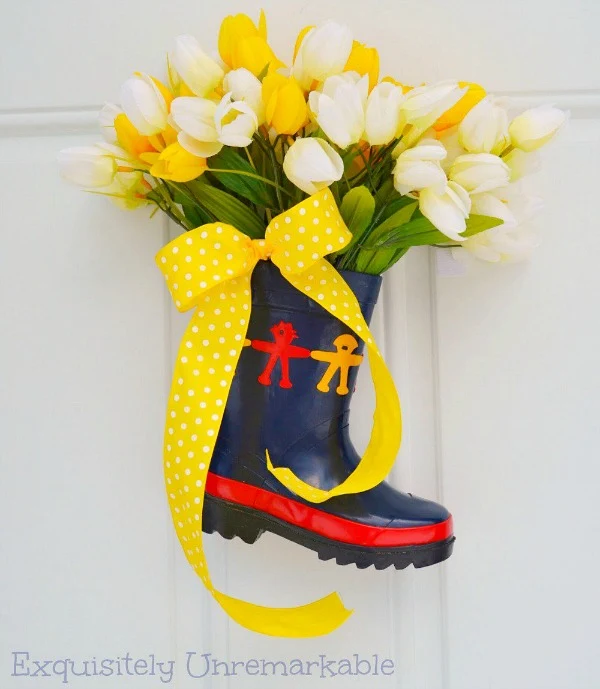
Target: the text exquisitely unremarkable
(196, 665)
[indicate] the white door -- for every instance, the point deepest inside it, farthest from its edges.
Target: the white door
(497, 369)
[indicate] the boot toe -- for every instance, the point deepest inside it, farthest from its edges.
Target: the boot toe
(421, 522)
(419, 512)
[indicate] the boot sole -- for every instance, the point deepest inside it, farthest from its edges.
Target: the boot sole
(231, 519)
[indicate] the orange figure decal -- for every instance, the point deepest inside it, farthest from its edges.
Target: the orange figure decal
(341, 359)
(281, 350)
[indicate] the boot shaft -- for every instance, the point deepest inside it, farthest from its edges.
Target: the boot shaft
(295, 377)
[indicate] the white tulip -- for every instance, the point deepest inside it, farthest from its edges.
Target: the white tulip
(91, 166)
(523, 207)
(522, 163)
(200, 73)
(126, 190)
(449, 139)
(144, 104)
(195, 118)
(106, 119)
(535, 127)
(488, 203)
(424, 105)
(312, 164)
(323, 52)
(512, 241)
(205, 126)
(428, 149)
(478, 172)
(382, 118)
(424, 100)
(501, 244)
(419, 168)
(340, 108)
(236, 122)
(484, 128)
(244, 86)
(448, 210)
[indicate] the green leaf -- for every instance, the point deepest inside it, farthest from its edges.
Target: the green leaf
(247, 187)
(263, 72)
(481, 223)
(228, 209)
(195, 215)
(375, 262)
(357, 209)
(384, 192)
(396, 203)
(421, 232)
(396, 220)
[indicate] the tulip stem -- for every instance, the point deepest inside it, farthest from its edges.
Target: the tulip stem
(276, 173)
(367, 167)
(165, 203)
(249, 157)
(347, 182)
(349, 259)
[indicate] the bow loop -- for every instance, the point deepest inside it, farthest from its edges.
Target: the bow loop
(201, 259)
(306, 233)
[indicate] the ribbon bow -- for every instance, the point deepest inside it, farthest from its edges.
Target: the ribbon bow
(209, 268)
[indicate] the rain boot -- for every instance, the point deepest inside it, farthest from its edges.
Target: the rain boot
(291, 395)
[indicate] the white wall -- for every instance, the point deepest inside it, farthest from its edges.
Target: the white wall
(497, 371)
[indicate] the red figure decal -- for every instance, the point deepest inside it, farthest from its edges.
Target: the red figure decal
(283, 350)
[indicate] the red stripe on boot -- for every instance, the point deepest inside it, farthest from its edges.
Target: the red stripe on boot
(323, 523)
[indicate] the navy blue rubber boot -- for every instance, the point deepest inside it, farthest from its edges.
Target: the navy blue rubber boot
(291, 395)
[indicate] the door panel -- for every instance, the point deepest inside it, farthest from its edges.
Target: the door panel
(496, 370)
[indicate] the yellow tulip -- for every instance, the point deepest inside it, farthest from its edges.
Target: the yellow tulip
(285, 108)
(364, 60)
(243, 44)
(144, 149)
(457, 112)
(130, 139)
(176, 164)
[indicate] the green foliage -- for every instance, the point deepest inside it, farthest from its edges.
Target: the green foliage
(393, 222)
(247, 185)
(378, 261)
(421, 232)
(195, 215)
(246, 188)
(227, 208)
(357, 209)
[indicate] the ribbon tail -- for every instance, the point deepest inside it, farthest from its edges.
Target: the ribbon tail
(336, 297)
(203, 374)
(318, 618)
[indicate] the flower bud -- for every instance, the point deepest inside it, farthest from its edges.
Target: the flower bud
(478, 172)
(533, 128)
(199, 72)
(312, 164)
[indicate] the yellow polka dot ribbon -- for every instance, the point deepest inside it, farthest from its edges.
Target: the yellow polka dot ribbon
(209, 269)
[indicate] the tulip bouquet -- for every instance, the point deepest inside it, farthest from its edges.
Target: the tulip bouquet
(241, 137)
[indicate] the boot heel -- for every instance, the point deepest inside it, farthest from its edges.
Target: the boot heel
(229, 521)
